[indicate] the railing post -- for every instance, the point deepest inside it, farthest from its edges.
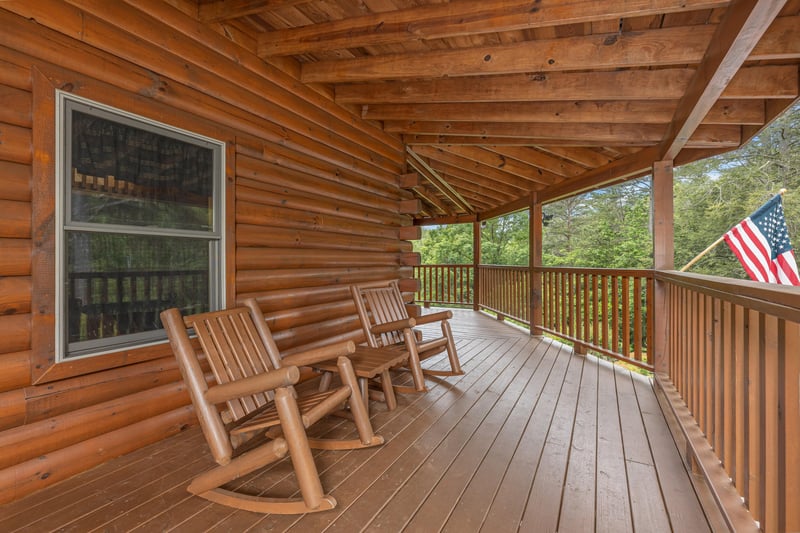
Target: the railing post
(535, 261)
(663, 259)
(476, 262)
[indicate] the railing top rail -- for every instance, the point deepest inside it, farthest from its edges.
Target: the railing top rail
(504, 267)
(461, 265)
(632, 272)
(778, 300)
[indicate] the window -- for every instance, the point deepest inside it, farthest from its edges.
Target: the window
(139, 227)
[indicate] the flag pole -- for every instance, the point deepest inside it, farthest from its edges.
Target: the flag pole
(711, 247)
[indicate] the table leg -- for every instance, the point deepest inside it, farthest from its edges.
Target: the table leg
(388, 390)
(363, 384)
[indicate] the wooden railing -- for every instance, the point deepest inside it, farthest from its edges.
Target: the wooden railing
(505, 290)
(445, 284)
(603, 310)
(734, 372)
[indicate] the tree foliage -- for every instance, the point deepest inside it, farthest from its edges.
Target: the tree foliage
(607, 228)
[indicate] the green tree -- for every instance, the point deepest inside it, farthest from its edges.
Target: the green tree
(445, 245)
(609, 228)
(504, 240)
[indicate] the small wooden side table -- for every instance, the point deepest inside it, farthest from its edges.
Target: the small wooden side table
(368, 363)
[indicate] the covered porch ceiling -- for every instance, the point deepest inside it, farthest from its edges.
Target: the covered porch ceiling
(495, 99)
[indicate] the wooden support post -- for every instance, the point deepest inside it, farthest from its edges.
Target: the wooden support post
(535, 261)
(663, 259)
(476, 263)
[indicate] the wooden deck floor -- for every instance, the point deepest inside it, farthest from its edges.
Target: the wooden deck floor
(532, 438)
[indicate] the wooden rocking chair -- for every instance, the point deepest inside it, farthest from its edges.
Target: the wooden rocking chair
(386, 325)
(262, 418)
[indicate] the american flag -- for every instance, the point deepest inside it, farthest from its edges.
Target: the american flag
(761, 242)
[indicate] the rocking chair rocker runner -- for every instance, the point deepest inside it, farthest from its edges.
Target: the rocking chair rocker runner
(386, 325)
(256, 386)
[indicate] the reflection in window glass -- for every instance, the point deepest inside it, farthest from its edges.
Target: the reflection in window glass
(118, 284)
(126, 175)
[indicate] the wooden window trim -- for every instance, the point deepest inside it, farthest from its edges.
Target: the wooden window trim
(45, 81)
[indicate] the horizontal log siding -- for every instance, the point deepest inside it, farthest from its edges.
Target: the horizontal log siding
(312, 232)
(734, 365)
(317, 204)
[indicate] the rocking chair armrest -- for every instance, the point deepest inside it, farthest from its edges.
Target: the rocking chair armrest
(317, 355)
(433, 317)
(282, 377)
(394, 325)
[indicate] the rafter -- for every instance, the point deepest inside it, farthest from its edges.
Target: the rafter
(506, 164)
(531, 156)
(429, 197)
(480, 183)
(473, 187)
(737, 35)
(437, 181)
(632, 166)
(586, 111)
(671, 46)
(464, 18)
(750, 82)
(578, 134)
(668, 46)
(586, 157)
(220, 10)
(478, 168)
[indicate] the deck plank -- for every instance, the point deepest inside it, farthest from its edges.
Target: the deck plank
(613, 511)
(684, 513)
(531, 438)
(578, 500)
(647, 506)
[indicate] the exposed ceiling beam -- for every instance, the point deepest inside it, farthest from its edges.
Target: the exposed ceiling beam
(220, 10)
(429, 197)
(531, 156)
(735, 38)
(478, 183)
(597, 134)
(440, 184)
(604, 112)
(481, 169)
(632, 166)
(462, 18)
(665, 84)
(671, 46)
(506, 164)
(489, 192)
(586, 157)
(677, 45)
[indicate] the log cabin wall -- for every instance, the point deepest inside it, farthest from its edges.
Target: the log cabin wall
(312, 205)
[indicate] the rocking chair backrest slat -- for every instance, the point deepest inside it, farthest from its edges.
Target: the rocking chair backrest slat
(385, 304)
(234, 350)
